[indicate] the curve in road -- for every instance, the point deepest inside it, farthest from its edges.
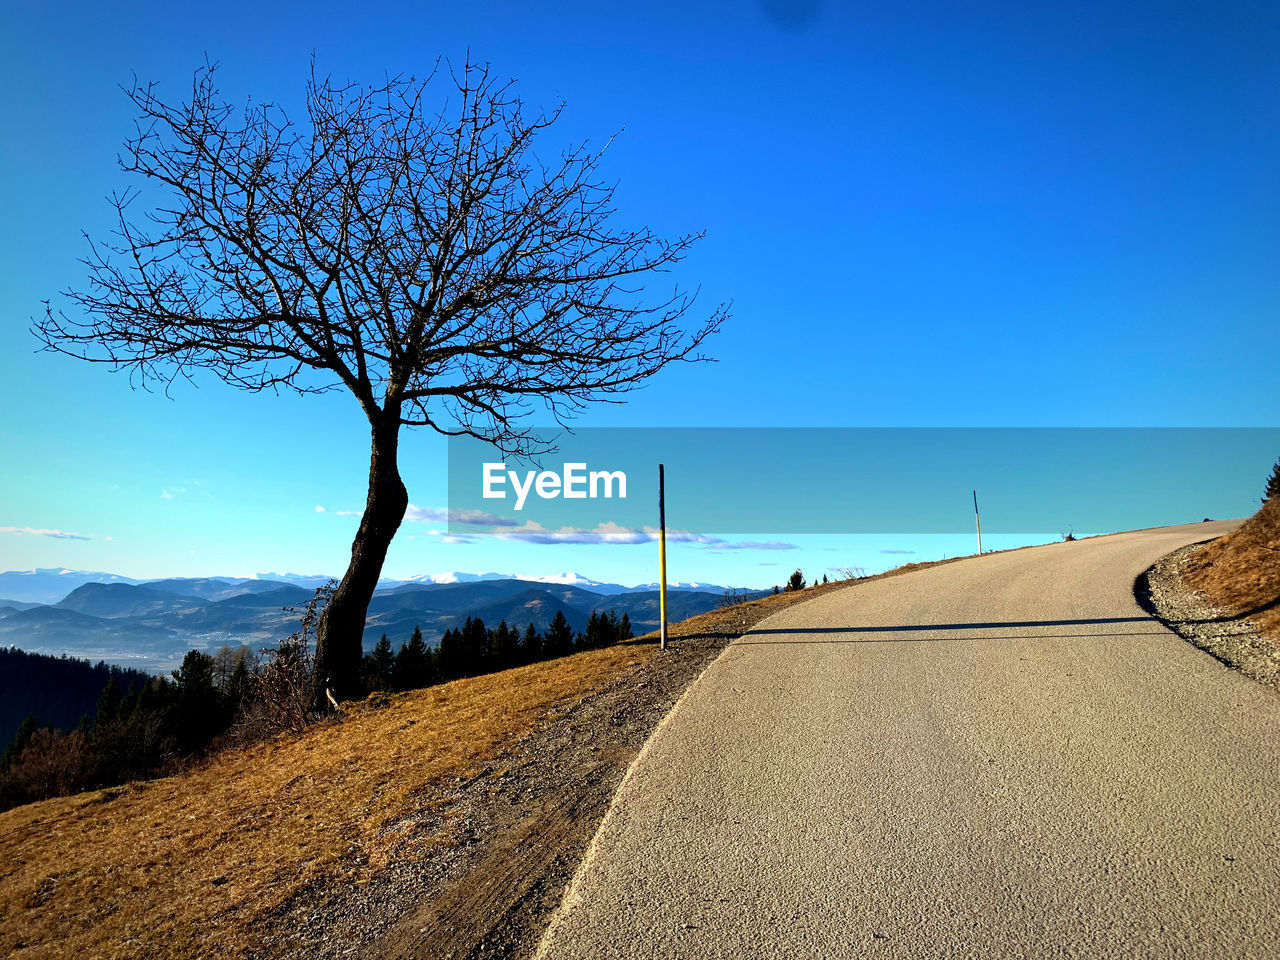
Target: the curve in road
(1000, 757)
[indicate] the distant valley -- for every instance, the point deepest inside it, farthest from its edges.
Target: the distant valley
(151, 624)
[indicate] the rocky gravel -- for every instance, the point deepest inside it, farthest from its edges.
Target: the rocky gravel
(1236, 641)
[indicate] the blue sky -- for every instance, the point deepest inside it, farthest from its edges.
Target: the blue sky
(995, 215)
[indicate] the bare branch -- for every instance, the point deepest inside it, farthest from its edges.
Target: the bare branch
(400, 254)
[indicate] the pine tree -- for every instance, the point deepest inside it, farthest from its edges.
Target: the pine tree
(199, 715)
(624, 628)
(410, 670)
(1272, 488)
(824, 579)
(531, 645)
(237, 693)
(505, 646)
(475, 646)
(400, 669)
(378, 666)
(20, 741)
(796, 582)
(108, 705)
(153, 698)
(591, 637)
(559, 640)
(449, 655)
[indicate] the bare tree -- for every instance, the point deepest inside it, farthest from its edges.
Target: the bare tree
(430, 263)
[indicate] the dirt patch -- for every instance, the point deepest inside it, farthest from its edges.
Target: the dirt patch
(1166, 592)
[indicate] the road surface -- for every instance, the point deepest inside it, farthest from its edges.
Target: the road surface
(1000, 757)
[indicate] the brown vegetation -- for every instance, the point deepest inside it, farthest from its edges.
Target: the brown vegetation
(1240, 572)
(199, 863)
(190, 864)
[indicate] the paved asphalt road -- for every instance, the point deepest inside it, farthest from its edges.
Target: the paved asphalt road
(1000, 757)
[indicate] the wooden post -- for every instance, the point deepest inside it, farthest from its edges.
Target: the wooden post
(662, 556)
(978, 521)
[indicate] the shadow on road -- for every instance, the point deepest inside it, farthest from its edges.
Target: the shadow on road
(1155, 630)
(930, 627)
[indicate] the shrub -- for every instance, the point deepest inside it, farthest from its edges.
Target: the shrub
(286, 686)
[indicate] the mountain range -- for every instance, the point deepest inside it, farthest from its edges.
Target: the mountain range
(151, 624)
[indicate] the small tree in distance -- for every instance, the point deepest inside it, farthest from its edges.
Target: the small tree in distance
(378, 665)
(430, 264)
(1272, 488)
(559, 637)
(531, 645)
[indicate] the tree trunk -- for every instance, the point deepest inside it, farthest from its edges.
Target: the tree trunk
(341, 629)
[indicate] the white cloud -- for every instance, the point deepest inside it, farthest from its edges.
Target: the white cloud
(337, 513)
(442, 537)
(534, 532)
(42, 532)
(417, 514)
(751, 545)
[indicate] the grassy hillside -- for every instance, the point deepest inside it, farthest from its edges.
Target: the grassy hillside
(186, 865)
(191, 865)
(1241, 571)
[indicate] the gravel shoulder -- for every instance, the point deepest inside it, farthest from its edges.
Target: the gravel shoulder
(1236, 641)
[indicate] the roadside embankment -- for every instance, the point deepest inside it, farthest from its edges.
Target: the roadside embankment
(1224, 595)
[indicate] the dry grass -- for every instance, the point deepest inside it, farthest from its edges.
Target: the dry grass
(186, 865)
(190, 865)
(1241, 572)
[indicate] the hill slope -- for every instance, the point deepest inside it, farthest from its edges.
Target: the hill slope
(124, 600)
(1241, 571)
(249, 853)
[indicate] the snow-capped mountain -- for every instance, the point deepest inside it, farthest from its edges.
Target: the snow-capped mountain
(453, 576)
(574, 580)
(49, 585)
(690, 585)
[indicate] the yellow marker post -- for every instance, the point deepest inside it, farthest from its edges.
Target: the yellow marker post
(662, 556)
